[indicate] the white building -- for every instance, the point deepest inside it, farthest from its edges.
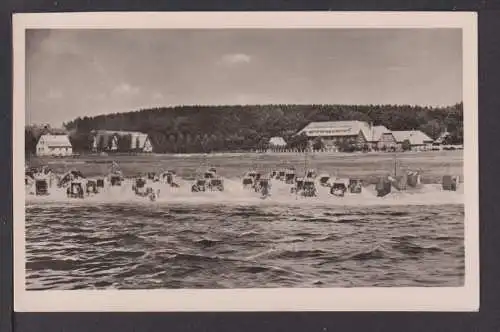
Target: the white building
(418, 140)
(333, 133)
(54, 145)
(362, 134)
(378, 134)
(277, 142)
(141, 142)
(106, 140)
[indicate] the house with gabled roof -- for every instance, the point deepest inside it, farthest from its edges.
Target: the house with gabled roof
(277, 142)
(54, 145)
(108, 140)
(334, 133)
(417, 139)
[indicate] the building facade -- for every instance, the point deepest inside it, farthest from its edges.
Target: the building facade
(387, 142)
(54, 145)
(277, 144)
(362, 135)
(111, 141)
(338, 133)
(417, 140)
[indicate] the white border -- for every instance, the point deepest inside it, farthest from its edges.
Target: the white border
(464, 298)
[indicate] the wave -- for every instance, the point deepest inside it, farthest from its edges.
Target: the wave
(290, 239)
(305, 253)
(376, 252)
(186, 257)
(254, 269)
(410, 248)
(331, 237)
(207, 242)
(275, 253)
(248, 233)
(66, 264)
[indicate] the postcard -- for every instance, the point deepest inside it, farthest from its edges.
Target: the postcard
(246, 161)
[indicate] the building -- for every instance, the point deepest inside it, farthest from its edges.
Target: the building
(106, 140)
(362, 134)
(387, 142)
(442, 139)
(277, 144)
(54, 145)
(379, 134)
(418, 140)
(336, 133)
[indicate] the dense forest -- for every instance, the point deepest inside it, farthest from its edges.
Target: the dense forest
(190, 129)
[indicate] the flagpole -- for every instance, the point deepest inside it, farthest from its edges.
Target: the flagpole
(395, 165)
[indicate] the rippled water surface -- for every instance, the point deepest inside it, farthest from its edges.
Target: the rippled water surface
(239, 244)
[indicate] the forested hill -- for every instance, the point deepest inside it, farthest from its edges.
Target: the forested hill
(221, 128)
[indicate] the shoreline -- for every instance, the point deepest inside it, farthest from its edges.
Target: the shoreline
(236, 154)
(365, 166)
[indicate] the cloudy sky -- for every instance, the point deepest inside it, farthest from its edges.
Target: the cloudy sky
(74, 73)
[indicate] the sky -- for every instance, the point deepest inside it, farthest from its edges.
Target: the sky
(72, 73)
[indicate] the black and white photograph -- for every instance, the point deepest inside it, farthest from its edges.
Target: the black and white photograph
(195, 158)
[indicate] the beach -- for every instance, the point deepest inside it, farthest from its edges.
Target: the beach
(366, 166)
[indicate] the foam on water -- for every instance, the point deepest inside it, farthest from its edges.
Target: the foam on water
(235, 194)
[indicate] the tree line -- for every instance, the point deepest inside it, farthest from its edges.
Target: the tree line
(192, 129)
